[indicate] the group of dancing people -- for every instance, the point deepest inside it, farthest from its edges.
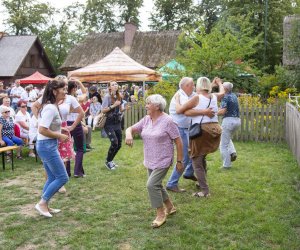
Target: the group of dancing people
(159, 132)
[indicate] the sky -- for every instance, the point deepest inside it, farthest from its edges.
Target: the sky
(144, 11)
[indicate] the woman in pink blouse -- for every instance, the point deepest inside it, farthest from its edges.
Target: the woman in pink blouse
(159, 133)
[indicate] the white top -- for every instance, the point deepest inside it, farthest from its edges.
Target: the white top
(16, 91)
(203, 104)
(49, 118)
(64, 108)
(12, 112)
(25, 96)
(181, 120)
(32, 98)
(20, 117)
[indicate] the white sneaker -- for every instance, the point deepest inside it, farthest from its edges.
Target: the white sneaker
(31, 155)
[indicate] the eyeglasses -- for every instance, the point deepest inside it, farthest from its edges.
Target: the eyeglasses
(23, 106)
(6, 112)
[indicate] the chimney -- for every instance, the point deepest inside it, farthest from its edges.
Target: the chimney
(130, 29)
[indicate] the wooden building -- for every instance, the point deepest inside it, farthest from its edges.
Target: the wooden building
(21, 56)
(152, 49)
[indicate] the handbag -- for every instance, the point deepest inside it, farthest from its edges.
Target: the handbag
(101, 120)
(195, 129)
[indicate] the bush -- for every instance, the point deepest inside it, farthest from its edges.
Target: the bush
(164, 88)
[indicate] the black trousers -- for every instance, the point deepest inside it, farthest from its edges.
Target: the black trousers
(114, 134)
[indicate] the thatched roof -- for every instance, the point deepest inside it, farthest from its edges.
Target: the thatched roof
(152, 49)
(115, 66)
(13, 51)
(290, 56)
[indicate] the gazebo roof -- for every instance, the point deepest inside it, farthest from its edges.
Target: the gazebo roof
(35, 78)
(116, 66)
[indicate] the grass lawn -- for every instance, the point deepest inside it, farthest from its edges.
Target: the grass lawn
(255, 205)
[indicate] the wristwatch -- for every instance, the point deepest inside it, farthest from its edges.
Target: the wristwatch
(179, 162)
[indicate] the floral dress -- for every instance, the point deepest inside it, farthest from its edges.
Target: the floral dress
(65, 148)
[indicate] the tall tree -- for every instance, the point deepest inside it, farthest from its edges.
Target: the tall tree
(220, 51)
(61, 36)
(99, 16)
(267, 18)
(172, 14)
(129, 11)
(26, 16)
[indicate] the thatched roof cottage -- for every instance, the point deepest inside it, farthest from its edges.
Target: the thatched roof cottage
(152, 49)
(21, 56)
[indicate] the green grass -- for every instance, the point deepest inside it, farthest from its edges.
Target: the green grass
(255, 205)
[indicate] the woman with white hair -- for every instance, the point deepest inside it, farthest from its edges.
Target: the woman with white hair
(159, 133)
(231, 122)
(209, 141)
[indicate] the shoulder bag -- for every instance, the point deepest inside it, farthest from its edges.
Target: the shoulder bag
(195, 129)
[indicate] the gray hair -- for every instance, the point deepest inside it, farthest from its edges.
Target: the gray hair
(184, 81)
(158, 100)
(228, 86)
(203, 83)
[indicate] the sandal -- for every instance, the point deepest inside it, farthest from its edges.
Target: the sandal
(171, 211)
(158, 223)
(201, 195)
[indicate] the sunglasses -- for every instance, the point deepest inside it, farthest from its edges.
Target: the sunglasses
(23, 106)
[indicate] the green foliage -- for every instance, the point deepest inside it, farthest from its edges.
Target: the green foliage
(26, 16)
(129, 11)
(267, 17)
(165, 88)
(59, 38)
(217, 53)
(171, 15)
(99, 16)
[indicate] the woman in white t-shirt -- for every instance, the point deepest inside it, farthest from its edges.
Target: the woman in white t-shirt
(22, 119)
(49, 132)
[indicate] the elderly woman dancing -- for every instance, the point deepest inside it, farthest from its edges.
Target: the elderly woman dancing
(231, 122)
(159, 133)
(209, 141)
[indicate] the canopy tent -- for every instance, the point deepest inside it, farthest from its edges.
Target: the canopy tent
(169, 70)
(116, 66)
(35, 78)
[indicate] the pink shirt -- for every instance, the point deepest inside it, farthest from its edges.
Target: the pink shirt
(158, 140)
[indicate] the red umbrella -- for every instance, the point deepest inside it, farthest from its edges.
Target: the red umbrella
(35, 78)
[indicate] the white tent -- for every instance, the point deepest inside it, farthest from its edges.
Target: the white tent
(116, 66)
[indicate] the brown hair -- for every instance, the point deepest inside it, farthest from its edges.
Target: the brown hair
(114, 97)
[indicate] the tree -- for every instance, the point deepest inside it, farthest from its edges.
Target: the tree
(60, 37)
(224, 52)
(172, 14)
(129, 11)
(99, 16)
(26, 16)
(267, 18)
(208, 12)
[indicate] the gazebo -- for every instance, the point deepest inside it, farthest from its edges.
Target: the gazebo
(116, 66)
(35, 78)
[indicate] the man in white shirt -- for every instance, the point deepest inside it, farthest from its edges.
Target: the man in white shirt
(185, 92)
(15, 94)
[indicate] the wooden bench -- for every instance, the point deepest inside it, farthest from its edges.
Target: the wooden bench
(3, 150)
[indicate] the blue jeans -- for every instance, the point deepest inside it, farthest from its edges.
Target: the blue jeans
(54, 166)
(12, 141)
(189, 171)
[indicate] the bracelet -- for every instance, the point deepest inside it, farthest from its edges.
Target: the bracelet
(179, 161)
